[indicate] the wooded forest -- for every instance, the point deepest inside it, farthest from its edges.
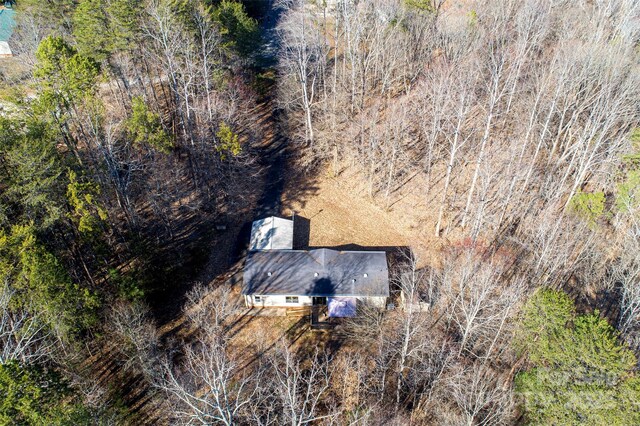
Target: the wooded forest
(139, 138)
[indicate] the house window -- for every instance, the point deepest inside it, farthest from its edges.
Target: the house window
(258, 299)
(292, 299)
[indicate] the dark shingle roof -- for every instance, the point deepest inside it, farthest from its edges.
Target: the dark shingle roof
(320, 272)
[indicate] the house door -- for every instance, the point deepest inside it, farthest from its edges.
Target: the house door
(319, 301)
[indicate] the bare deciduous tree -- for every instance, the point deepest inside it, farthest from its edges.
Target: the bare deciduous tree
(204, 385)
(479, 300)
(625, 275)
(22, 336)
(300, 388)
(481, 396)
(303, 59)
(135, 336)
(210, 309)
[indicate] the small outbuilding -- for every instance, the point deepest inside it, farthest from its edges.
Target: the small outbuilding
(271, 233)
(5, 50)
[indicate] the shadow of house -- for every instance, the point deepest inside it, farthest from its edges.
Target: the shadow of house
(301, 232)
(395, 254)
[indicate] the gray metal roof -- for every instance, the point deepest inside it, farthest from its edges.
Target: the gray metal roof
(320, 272)
(5, 50)
(271, 233)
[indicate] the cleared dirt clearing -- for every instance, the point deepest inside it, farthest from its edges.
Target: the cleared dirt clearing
(342, 216)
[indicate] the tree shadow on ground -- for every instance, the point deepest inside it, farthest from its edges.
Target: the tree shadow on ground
(200, 252)
(587, 299)
(292, 334)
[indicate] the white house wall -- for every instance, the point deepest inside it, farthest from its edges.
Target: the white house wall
(278, 301)
(281, 301)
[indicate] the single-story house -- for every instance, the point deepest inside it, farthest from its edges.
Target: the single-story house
(275, 275)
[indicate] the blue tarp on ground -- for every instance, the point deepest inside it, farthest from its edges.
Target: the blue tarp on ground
(341, 307)
(7, 23)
